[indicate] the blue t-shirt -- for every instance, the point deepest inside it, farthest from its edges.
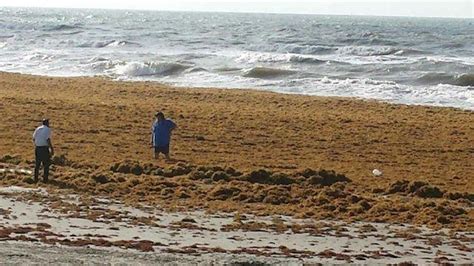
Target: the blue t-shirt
(161, 132)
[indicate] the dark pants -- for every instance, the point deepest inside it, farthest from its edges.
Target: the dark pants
(163, 149)
(42, 156)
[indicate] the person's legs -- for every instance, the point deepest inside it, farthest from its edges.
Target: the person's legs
(46, 164)
(166, 152)
(161, 149)
(37, 163)
(42, 157)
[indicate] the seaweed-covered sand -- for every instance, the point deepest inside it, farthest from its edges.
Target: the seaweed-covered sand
(243, 151)
(86, 228)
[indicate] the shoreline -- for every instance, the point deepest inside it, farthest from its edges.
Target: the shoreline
(101, 129)
(250, 89)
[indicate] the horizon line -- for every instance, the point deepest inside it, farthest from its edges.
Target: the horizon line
(236, 12)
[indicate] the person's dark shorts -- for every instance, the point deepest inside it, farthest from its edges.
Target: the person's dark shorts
(42, 155)
(162, 149)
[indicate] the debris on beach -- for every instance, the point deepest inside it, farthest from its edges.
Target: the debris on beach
(80, 221)
(307, 193)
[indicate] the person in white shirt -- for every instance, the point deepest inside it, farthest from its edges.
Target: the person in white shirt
(43, 149)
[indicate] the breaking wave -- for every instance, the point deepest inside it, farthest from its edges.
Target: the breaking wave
(306, 49)
(266, 72)
(445, 78)
(377, 50)
(139, 69)
(255, 57)
(110, 43)
(464, 80)
(62, 27)
(361, 57)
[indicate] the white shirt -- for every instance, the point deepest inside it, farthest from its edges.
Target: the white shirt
(41, 136)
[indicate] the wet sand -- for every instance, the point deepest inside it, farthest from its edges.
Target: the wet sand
(88, 227)
(247, 151)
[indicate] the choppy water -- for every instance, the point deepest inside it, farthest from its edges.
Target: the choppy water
(405, 60)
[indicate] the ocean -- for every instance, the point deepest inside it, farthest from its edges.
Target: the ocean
(427, 61)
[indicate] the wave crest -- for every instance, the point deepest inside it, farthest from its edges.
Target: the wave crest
(308, 49)
(61, 27)
(138, 69)
(255, 57)
(109, 43)
(266, 72)
(465, 80)
(445, 78)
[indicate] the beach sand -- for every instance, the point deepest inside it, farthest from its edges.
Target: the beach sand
(246, 150)
(89, 230)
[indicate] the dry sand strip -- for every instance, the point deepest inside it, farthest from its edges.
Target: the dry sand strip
(115, 231)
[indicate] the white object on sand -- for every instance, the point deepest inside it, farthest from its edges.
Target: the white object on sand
(377, 172)
(17, 189)
(25, 172)
(16, 170)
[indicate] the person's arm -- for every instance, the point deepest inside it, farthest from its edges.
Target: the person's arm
(51, 147)
(152, 134)
(50, 144)
(173, 126)
(34, 136)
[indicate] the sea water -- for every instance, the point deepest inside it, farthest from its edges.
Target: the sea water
(428, 61)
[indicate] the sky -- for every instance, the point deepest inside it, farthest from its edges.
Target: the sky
(412, 8)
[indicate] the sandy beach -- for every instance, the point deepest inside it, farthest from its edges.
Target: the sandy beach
(94, 229)
(244, 151)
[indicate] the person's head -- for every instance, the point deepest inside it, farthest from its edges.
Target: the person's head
(45, 122)
(160, 116)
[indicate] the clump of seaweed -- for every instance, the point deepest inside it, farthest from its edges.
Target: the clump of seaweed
(223, 192)
(61, 160)
(458, 196)
(324, 177)
(11, 159)
(127, 167)
(416, 188)
(263, 176)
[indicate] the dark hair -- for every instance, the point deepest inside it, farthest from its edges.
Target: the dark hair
(160, 115)
(45, 122)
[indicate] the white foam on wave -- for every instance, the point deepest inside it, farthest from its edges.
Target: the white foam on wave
(365, 88)
(255, 57)
(266, 72)
(439, 95)
(368, 50)
(259, 57)
(108, 43)
(102, 66)
(293, 48)
(137, 69)
(292, 59)
(449, 59)
(38, 56)
(97, 59)
(308, 49)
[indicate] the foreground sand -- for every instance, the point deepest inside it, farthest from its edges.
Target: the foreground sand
(83, 229)
(425, 153)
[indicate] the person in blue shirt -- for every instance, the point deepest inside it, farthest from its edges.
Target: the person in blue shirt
(161, 135)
